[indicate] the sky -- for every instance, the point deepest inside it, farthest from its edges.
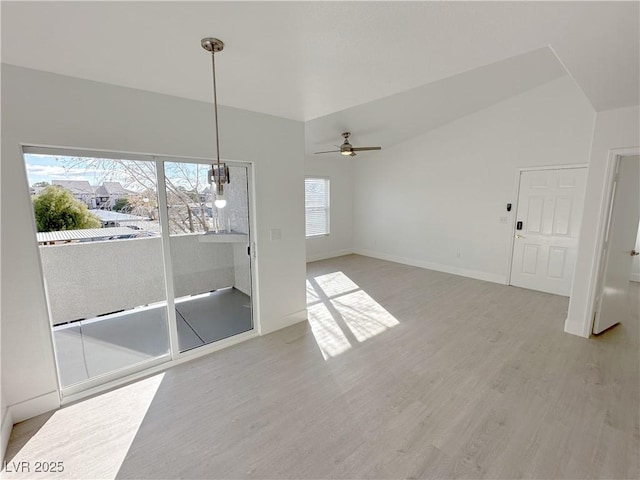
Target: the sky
(45, 168)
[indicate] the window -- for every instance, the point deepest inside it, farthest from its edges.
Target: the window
(316, 206)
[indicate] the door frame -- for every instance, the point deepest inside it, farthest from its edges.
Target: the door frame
(604, 218)
(110, 380)
(515, 205)
(160, 161)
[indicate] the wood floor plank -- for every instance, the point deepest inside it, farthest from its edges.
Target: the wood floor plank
(401, 372)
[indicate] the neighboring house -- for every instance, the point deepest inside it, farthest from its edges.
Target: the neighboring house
(109, 193)
(205, 196)
(117, 219)
(102, 197)
(33, 191)
(80, 189)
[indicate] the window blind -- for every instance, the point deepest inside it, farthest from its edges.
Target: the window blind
(316, 203)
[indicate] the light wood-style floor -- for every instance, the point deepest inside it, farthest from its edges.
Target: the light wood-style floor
(401, 373)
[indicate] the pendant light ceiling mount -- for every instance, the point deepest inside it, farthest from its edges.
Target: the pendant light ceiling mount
(213, 45)
(219, 173)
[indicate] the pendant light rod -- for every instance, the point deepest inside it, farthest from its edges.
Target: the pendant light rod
(219, 173)
(214, 45)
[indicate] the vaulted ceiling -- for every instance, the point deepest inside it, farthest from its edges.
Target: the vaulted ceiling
(304, 60)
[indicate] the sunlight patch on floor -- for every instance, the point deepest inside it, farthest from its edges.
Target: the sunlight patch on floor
(312, 295)
(329, 336)
(335, 283)
(365, 317)
(99, 431)
(339, 310)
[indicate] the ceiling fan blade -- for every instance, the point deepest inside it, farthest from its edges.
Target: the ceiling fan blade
(330, 151)
(363, 149)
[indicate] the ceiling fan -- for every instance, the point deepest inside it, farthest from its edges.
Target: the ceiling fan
(347, 149)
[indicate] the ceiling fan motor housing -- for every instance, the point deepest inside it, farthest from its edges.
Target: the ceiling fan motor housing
(347, 149)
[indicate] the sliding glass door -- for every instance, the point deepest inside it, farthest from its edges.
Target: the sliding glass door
(211, 270)
(102, 261)
(136, 275)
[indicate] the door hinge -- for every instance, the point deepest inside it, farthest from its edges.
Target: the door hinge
(249, 250)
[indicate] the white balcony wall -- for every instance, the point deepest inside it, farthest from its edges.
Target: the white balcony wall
(200, 267)
(46, 109)
(89, 279)
(242, 268)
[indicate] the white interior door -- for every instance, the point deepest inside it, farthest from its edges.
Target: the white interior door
(619, 245)
(635, 267)
(547, 226)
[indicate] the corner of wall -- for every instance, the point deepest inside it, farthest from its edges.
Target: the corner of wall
(575, 328)
(7, 426)
(325, 255)
(463, 272)
(284, 322)
(34, 406)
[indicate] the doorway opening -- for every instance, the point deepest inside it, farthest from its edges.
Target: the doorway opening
(620, 251)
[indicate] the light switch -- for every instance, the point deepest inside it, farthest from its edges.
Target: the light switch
(276, 234)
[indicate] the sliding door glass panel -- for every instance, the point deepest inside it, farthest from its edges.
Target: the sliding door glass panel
(101, 252)
(209, 255)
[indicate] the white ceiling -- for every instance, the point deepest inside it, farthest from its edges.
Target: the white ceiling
(303, 60)
(399, 117)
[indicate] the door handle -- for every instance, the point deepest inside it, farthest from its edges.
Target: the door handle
(519, 236)
(634, 253)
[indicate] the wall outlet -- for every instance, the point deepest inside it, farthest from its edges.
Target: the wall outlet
(504, 219)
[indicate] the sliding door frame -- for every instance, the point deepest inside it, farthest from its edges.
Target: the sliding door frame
(168, 266)
(134, 372)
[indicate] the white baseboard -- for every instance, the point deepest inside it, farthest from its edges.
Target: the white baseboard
(7, 426)
(34, 406)
(325, 255)
(463, 272)
(635, 277)
(286, 321)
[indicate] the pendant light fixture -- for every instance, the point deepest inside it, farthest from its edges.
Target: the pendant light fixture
(219, 172)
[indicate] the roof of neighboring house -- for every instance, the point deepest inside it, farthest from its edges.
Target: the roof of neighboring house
(77, 187)
(112, 188)
(86, 234)
(108, 189)
(36, 190)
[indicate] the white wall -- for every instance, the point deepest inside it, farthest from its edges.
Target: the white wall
(615, 129)
(46, 109)
(424, 200)
(339, 170)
